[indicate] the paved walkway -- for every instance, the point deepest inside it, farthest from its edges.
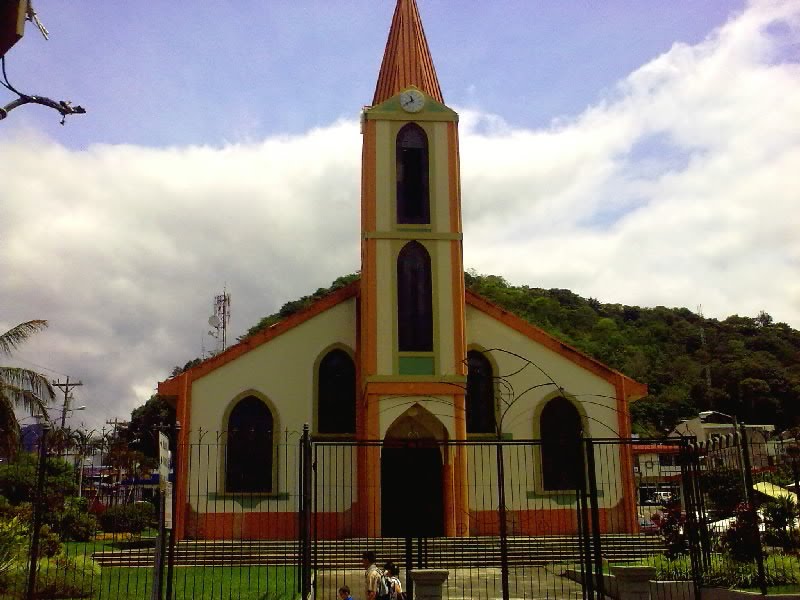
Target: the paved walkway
(528, 583)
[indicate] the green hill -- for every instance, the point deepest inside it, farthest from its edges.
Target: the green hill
(748, 366)
(742, 365)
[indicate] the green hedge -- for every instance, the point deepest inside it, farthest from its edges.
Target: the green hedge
(128, 518)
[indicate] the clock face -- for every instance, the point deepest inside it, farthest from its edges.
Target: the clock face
(412, 101)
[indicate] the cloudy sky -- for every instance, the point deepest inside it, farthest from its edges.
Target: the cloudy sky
(638, 152)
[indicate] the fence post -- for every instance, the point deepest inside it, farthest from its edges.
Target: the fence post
(171, 555)
(748, 482)
(37, 511)
(694, 515)
(584, 531)
(595, 520)
(305, 513)
(501, 512)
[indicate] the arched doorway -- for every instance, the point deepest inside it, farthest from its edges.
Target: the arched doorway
(412, 499)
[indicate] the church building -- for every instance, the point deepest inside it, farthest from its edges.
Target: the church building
(404, 353)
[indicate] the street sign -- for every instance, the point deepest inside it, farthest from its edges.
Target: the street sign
(168, 506)
(163, 460)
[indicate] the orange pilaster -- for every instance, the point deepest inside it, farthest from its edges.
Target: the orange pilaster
(626, 459)
(460, 476)
(181, 485)
(448, 499)
(372, 476)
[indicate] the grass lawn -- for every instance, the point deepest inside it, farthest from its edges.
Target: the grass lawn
(236, 583)
(201, 583)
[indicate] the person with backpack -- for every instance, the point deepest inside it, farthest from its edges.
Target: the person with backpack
(391, 576)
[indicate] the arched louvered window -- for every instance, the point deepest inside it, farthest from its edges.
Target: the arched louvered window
(336, 393)
(248, 457)
(562, 451)
(413, 198)
(414, 299)
(481, 417)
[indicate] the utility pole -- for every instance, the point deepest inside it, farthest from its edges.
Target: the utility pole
(66, 387)
(116, 423)
(115, 491)
(707, 367)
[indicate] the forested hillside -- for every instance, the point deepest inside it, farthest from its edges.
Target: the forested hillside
(748, 366)
(752, 364)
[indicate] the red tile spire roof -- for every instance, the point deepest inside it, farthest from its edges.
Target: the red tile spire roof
(407, 59)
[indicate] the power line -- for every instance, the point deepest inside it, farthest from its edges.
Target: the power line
(66, 387)
(18, 357)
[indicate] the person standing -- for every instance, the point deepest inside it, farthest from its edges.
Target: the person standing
(372, 575)
(392, 574)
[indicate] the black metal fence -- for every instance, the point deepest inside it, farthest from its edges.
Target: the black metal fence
(495, 514)
(743, 489)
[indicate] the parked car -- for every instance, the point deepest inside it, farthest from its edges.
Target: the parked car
(647, 527)
(663, 497)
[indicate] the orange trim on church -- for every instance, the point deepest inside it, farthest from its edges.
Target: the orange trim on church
(413, 388)
(459, 316)
(632, 390)
(626, 454)
(264, 336)
(454, 177)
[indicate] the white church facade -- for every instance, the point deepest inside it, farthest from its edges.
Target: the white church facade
(404, 353)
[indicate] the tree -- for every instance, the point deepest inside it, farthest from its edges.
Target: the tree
(18, 480)
(20, 388)
(146, 421)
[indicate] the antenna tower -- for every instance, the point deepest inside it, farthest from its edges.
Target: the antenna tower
(220, 319)
(703, 344)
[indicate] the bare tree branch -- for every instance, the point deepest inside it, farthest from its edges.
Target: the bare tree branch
(64, 107)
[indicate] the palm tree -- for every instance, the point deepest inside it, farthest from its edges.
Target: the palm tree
(20, 388)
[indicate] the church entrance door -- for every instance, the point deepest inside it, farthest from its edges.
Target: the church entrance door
(411, 490)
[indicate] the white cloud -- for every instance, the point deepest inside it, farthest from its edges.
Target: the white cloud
(122, 247)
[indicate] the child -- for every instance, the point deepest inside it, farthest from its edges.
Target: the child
(344, 593)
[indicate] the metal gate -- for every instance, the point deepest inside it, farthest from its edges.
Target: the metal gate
(519, 540)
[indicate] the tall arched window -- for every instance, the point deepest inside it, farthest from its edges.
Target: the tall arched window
(248, 457)
(336, 393)
(562, 452)
(481, 416)
(414, 299)
(413, 199)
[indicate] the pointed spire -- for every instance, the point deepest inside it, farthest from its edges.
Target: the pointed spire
(407, 59)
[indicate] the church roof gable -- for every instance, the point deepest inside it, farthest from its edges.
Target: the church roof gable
(263, 336)
(634, 390)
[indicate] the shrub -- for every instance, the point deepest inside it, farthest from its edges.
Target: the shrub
(66, 577)
(128, 518)
(49, 542)
(778, 517)
(779, 570)
(13, 540)
(741, 542)
(74, 523)
(77, 527)
(672, 526)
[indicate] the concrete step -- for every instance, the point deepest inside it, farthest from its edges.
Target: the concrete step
(346, 554)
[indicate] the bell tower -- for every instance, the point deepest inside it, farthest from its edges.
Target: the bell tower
(411, 336)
